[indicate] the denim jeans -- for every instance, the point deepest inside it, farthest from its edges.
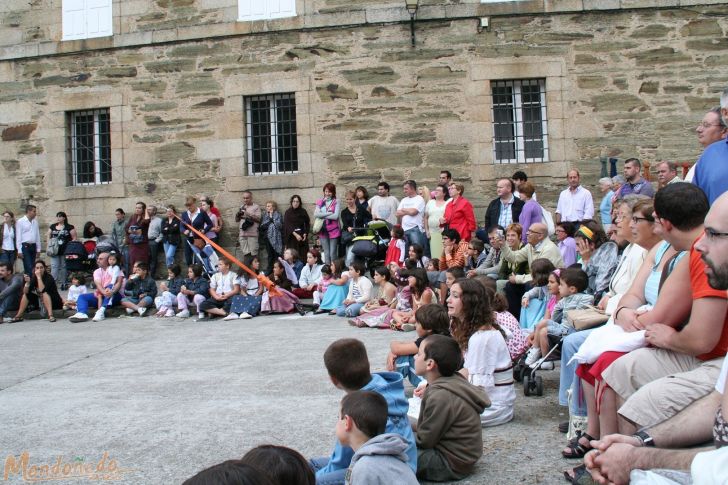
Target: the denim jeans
(334, 478)
(88, 300)
(330, 247)
(153, 256)
(58, 269)
(169, 252)
(350, 310)
(8, 257)
(29, 255)
(9, 303)
(568, 379)
(405, 365)
(414, 236)
(146, 301)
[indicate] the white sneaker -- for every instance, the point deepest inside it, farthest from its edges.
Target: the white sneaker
(232, 316)
(78, 317)
(100, 315)
(533, 355)
(245, 316)
(547, 365)
(183, 314)
(169, 313)
(142, 310)
(129, 311)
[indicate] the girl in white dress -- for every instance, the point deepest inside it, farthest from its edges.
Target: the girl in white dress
(487, 360)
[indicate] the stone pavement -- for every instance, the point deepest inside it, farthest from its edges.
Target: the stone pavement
(164, 398)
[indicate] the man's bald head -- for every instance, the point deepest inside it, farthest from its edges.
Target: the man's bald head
(536, 233)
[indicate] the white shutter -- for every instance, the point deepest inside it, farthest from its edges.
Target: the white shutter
(99, 15)
(74, 19)
(84, 19)
(265, 9)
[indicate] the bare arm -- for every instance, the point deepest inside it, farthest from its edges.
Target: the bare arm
(699, 336)
(397, 347)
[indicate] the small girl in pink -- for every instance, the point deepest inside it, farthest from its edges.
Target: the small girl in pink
(396, 251)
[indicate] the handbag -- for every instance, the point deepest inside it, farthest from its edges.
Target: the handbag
(318, 224)
(586, 318)
(54, 247)
(347, 237)
(198, 243)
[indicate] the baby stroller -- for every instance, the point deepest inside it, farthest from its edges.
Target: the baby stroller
(77, 258)
(370, 244)
(207, 257)
(105, 244)
(532, 383)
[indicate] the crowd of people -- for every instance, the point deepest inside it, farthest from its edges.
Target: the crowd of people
(633, 290)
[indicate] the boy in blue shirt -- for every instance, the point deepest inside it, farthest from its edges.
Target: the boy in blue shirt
(348, 367)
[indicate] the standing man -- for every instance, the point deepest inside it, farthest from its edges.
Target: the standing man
(411, 210)
(504, 209)
(711, 129)
(154, 234)
(667, 174)
(575, 202)
(711, 169)
(28, 238)
(249, 218)
(118, 235)
(445, 178)
(634, 183)
(383, 206)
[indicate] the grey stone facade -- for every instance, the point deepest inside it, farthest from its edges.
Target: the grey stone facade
(623, 78)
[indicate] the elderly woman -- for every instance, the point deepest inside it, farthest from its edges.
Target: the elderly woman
(270, 227)
(599, 256)
(531, 212)
(566, 242)
(605, 207)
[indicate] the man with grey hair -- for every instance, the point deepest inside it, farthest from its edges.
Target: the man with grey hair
(711, 169)
(711, 129)
(249, 218)
(667, 174)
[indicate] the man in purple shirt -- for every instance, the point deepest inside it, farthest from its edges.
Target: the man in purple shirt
(634, 183)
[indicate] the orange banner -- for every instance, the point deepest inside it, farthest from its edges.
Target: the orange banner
(264, 280)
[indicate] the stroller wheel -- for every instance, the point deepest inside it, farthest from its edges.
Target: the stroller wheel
(526, 385)
(517, 369)
(539, 385)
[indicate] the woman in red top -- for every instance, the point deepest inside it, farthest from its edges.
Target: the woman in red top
(459, 214)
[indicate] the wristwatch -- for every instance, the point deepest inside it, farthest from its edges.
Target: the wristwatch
(644, 438)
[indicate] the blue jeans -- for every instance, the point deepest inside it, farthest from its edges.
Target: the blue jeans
(568, 379)
(350, 310)
(8, 257)
(153, 256)
(29, 255)
(169, 252)
(88, 300)
(334, 478)
(9, 303)
(147, 301)
(405, 365)
(330, 247)
(414, 236)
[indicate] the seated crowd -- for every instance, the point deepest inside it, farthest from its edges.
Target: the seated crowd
(637, 303)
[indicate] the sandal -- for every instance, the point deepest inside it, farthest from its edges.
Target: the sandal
(581, 476)
(51, 319)
(16, 319)
(576, 449)
(564, 427)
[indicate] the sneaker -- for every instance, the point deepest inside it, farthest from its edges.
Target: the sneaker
(202, 317)
(129, 311)
(549, 365)
(142, 310)
(78, 317)
(408, 327)
(183, 314)
(245, 316)
(169, 313)
(232, 316)
(533, 355)
(100, 315)
(300, 309)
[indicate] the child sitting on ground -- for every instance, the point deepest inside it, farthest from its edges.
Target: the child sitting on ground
(348, 367)
(379, 457)
(429, 319)
(517, 341)
(76, 289)
(533, 302)
(449, 437)
(571, 289)
(360, 290)
(326, 278)
(166, 301)
(139, 291)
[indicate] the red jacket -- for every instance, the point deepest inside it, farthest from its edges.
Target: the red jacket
(459, 215)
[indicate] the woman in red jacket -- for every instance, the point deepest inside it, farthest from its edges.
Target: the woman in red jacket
(459, 214)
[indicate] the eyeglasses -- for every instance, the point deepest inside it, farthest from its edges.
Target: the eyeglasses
(705, 125)
(559, 230)
(534, 233)
(636, 220)
(713, 235)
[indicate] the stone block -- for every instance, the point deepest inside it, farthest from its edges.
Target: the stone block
(333, 91)
(383, 156)
(371, 75)
(18, 132)
(557, 6)
(716, 44)
(663, 55)
(214, 149)
(12, 113)
(175, 151)
(652, 31)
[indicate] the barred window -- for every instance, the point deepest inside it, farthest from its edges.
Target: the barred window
(89, 147)
(271, 131)
(520, 132)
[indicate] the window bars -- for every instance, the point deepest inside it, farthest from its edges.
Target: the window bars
(271, 134)
(89, 147)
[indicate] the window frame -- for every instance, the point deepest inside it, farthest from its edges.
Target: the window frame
(273, 135)
(247, 13)
(518, 140)
(101, 175)
(90, 9)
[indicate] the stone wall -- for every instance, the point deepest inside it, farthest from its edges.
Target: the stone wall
(619, 82)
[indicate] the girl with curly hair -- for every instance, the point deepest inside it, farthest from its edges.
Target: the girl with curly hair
(487, 360)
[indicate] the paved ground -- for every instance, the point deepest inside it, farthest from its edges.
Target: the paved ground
(165, 398)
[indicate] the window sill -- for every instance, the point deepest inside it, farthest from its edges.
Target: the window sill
(100, 191)
(286, 181)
